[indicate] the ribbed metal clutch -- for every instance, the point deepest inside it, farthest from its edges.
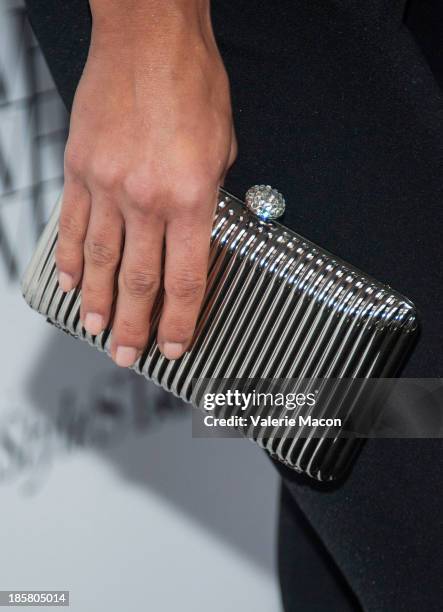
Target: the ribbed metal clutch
(276, 307)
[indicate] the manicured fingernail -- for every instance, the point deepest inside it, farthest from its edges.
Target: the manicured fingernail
(93, 323)
(125, 356)
(173, 350)
(65, 281)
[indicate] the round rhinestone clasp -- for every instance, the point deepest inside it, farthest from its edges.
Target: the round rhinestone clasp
(265, 202)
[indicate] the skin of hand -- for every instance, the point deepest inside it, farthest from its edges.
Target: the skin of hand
(151, 139)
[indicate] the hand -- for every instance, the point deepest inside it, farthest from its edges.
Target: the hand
(151, 138)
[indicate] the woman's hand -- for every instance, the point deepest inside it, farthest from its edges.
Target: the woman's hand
(150, 141)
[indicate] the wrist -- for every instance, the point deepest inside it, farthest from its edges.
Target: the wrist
(133, 18)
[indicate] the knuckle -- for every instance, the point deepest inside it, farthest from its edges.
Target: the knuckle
(99, 254)
(73, 161)
(68, 259)
(193, 194)
(186, 287)
(93, 293)
(70, 228)
(178, 331)
(128, 330)
(141, 284)
(106, 175)
(137, 190)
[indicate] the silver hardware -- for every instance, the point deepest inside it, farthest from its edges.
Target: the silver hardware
(265, 202)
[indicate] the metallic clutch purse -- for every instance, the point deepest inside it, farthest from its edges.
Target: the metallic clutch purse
(277, 307)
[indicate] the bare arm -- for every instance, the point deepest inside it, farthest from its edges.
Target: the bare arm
(151, 138)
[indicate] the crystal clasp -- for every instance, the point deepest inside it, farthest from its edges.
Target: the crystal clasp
(265, 202)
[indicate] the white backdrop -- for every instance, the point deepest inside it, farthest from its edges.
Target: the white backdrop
(103, 491)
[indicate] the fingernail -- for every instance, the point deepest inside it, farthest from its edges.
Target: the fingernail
(125, 356)
(93, 323)
(173, 350)
(65, 281)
